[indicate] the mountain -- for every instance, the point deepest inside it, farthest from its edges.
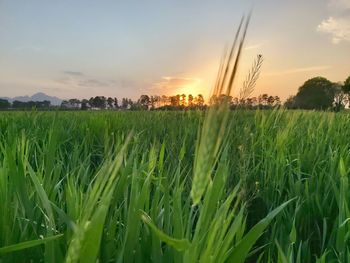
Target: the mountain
(40, 96)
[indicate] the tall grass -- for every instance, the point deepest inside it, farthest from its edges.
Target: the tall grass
(55, 178)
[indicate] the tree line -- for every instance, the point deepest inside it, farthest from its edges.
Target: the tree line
(317, 93)
(176, 102)
(321, 94)
(5, 104)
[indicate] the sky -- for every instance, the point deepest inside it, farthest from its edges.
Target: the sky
(85, 48)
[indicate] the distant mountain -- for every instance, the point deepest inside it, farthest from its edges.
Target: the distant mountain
(36, 97)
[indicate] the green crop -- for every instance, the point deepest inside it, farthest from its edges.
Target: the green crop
(80, 187)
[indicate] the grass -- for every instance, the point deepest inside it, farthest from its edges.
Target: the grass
(77, 187)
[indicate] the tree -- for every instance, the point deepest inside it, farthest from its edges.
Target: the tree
(346, 88)
(74, 103)
(271, 101)
(277, 101)
(98, 102)
(190, 100)
(110, 102)
(173, 101)
(84, 104)
(4, 104)
(124, 103)
(290, 103)
(340, 97)
(177, 100)
(116, 103)
(144, 101)
(316, 93)
(183, 100)
(200, 100)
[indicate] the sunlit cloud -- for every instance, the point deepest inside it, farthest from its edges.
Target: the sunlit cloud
(254, 46)
(173, 83)
(73, 73)
(299, 70)
(338, 28)
(337, 25)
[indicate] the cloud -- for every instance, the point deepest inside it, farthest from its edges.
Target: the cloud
(299, 70)
(73, 73)
(176, 82)
(93, 83)
(338, 28)
(254, 46)
(79, 79)
(340, 4)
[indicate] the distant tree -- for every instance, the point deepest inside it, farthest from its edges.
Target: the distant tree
(277, 101)
(124, 103)
(270, 101)
(110, 102)
(263, 99)
(190, 100)
(153, 101)
(84, 104)
(340, 97)
(290, 103)
(116, 103)
(144, 101)
(217, 99)
(98, 102)
(165, 100)
(346, 88)
(316, 93)
(173, 101)
(200, 100)
(183, 100)
(4, 104)
(177, 100)
(74, 103)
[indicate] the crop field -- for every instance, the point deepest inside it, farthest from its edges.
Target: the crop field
(122, 187)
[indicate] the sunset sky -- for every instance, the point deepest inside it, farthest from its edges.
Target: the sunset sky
(127, 48)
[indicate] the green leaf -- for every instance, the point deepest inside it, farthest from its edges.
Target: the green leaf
(178, 244)
(28, 244)
(240, 252)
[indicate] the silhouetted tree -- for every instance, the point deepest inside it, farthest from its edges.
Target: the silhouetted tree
(84, 104)
(124, 103)
(290, 103)
(316, 93)
(110, 102)
(200, 100)
(116, 103)
(4, 104)
(144, 101)
(183, 100)
(98, 102)
(190, 100)
(346, 88)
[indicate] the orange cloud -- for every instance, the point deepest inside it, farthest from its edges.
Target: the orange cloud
(175, 83)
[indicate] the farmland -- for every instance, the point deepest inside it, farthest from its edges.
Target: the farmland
(118, 186)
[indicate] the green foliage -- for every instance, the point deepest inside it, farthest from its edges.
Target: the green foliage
(74, 187)
(316, 93)
(346, 86)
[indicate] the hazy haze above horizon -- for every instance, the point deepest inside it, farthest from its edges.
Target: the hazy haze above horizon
(127, 48)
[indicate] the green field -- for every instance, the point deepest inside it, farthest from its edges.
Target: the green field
(117, 186)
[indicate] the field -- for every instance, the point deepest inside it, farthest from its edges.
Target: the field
(120, 187)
